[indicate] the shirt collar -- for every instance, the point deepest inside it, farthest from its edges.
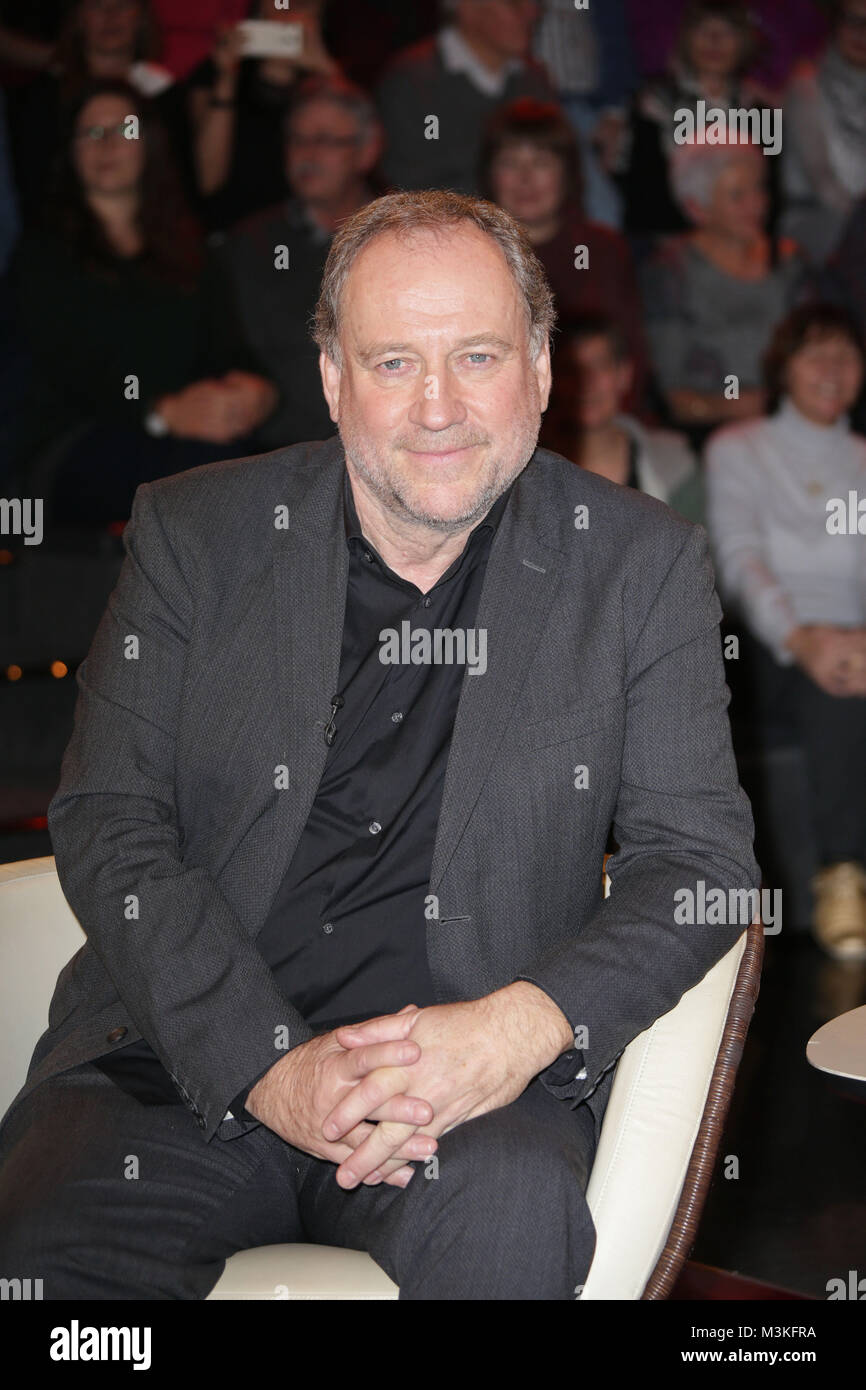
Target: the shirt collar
(457, 56)
(299, 218)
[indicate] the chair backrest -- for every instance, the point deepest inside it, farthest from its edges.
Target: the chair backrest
(662, 1127)
(39, 933)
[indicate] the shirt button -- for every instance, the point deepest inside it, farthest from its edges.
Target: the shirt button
(368, 556)
(374, 827)
(397, 717)
(328, 927)
(427, 601)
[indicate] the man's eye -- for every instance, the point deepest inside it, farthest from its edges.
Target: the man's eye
(488, 355)
(389, 362)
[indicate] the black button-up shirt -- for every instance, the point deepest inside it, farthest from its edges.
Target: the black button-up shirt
(346, 933)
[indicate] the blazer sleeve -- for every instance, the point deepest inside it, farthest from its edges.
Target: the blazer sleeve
(680, 817)
(183, 964)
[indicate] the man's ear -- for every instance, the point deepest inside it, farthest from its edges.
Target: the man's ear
(331, 374)
(543, 375)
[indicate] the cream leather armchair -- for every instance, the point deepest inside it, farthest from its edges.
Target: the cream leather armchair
(656, 1151)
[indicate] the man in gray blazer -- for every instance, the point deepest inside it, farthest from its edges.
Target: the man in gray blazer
(351, 738)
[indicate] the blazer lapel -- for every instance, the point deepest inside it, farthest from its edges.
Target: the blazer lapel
(521, 579)
(310, 572)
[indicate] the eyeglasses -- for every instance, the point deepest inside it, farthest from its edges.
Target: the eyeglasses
(325, 142)
(102, 132)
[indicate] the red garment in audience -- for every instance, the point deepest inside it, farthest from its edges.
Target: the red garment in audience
(188, 28)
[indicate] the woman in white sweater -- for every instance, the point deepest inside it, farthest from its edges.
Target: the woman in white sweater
(786, 511)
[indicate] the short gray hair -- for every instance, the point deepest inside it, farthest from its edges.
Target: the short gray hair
(440, 211)
(338, 92)
(695, 168)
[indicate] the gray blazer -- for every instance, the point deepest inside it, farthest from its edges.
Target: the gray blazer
(213, 667)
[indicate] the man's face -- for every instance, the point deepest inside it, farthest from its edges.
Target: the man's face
(438, 404)
(503, 25)
(323, 153)
(110, 26)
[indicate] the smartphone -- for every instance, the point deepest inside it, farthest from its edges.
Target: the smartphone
(268, 38)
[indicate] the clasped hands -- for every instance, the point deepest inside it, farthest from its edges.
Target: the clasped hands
(833, 657)
(417, 1073)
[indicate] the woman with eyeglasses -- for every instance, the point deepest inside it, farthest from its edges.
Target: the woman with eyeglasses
(237, 108)
(140, 368)
(100, 40)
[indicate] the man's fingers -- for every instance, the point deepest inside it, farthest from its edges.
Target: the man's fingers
(361, 1061)
(399, 1109)
(372, 1091)
(381, 1145)
(404, 1109)
(385, 1028)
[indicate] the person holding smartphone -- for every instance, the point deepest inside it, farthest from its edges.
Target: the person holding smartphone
(237, 102)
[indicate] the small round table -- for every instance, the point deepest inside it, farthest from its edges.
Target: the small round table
(839, 1047)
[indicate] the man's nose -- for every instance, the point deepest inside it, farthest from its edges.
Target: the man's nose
(438, 402)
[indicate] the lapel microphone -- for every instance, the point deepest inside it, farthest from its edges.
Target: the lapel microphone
(337, 703)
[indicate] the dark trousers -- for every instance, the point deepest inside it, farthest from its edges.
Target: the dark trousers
(103, 1196)
(831, 730)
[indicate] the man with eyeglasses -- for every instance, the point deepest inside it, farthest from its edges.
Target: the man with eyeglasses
(275, 258)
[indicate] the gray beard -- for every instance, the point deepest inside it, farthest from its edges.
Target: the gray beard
(391, 496)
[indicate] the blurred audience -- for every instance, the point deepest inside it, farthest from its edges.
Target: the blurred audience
(530, 165)
(140, 368)
(275, 259)
(788, 30)
(435, 97)
(824, 151)
(843, 281)
(714, 295)
(798, 581)
(100, 39)
(714, 50)
(588, 56)
(236, 108)
(586, 420)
